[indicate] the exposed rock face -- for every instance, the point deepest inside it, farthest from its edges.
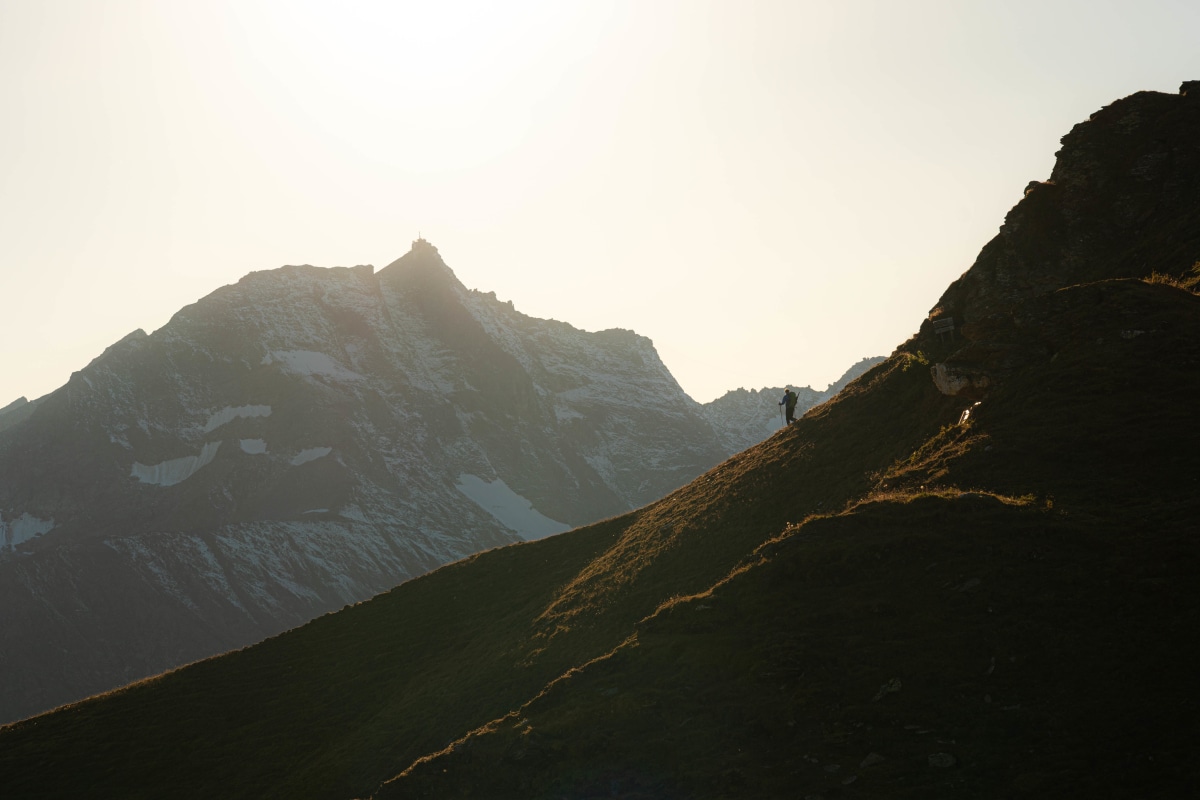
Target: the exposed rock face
(16, 411)
(745, 417)
(302, 440)
(1121, 202)
(954, 381)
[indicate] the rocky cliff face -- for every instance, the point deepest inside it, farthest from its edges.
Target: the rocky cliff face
(299, 441)
(1120, 203)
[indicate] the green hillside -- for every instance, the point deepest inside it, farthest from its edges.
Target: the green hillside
(890, 598)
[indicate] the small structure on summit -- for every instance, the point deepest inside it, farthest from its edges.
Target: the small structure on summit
(419, 245)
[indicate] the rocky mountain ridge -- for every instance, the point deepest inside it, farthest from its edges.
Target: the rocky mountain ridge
(301, 440)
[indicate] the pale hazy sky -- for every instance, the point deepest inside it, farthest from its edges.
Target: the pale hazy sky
(770, 190)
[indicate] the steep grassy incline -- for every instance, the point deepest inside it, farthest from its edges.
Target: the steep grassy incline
(327, 705)
(1009, 612)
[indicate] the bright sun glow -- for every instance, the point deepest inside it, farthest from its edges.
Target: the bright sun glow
(770, 190)
(426, 88)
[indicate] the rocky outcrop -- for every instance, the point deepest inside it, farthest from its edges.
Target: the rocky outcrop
(956, 381)
(1121, 202)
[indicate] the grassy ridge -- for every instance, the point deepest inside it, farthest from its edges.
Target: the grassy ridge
(1041, 641)
(1014, 639)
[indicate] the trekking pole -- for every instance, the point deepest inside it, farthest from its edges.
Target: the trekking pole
(782, 418)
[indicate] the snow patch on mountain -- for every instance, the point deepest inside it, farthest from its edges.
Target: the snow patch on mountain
(311, 454)
(208, 568)
(513, 510)
(253, 446)
(564, 414)
(310, 363)
(229, 414)
(22, 529)
(353, 512)
(154, 562)
(271, 560)
(267, 566)
(177, 470)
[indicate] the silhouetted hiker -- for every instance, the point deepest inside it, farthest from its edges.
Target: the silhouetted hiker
(789, 404)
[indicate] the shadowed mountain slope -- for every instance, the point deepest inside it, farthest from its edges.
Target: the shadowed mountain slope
(972, 573)
(1014, 600)
(301, 440)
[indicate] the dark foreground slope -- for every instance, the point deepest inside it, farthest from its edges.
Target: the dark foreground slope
(1012, 611)
(885, 600)
(336, 707)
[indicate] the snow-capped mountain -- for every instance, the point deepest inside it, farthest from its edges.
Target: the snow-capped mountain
(745, 417)
(302, 440)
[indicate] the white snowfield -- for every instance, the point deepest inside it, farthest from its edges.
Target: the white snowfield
(510, 508)
(253, 446)
(22, 529)
(177, 470)
(311, 454)
(268, 567)
(228, 414)
(309, 363)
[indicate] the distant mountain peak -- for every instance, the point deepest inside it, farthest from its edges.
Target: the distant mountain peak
(421, 252)
(420, 245)
(322, 434)
(421, 263)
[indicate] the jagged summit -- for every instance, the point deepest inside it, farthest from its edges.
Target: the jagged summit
(421, 263)
(421, 251)
(299, 440)
(420, 245)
